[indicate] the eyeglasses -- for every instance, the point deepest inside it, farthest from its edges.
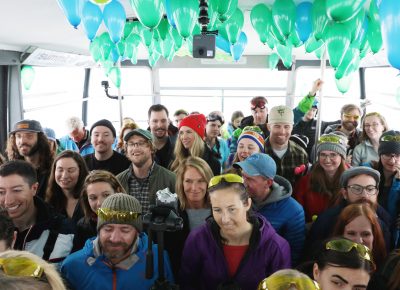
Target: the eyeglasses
(215, 117)
(345, 246)
(349, 116)
(230, 178)
(373, 125)
(140, 144)
(108, 215)
(390, 156)
(284, 282)
(21, 266)
(331, 139)
(390, 138)
(358, 189)
(326, 156)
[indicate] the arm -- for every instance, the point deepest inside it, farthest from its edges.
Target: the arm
(295, 233)
(306, 103)
(189, 277)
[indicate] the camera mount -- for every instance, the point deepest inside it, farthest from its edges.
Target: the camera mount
(106, 85)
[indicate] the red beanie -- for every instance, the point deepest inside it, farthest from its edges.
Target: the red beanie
(196, 122)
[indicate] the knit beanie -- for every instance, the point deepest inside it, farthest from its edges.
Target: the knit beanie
(359, 170)
(120, 208)
(389, 143)
(104, 123)
(196, 122)
(332, 142)
(280, 114)
(253, 133)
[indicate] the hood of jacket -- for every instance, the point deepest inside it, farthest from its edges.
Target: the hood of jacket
(280, 189)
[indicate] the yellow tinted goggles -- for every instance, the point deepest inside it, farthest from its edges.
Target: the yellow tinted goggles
(120, 216)
(330, 139)
(390, 138)
(21, 266)
(230, 177)
(346, 246)
(286, 282)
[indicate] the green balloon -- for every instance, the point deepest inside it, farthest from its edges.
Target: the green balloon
(27, 76)
(128, 29)
(115, 76)
(284, 16)
(133, 57)
(149, 12)
(153, 58)
(355, 23)
(365, 50)
(212, 15)
(163, 28)
(156, 46)
(95, 49)
(319, 18)
(345, 67)
(224, 8)
(343, 10)
(178, 39)
(318, 52)
(312, 44)
(167, 45)
(233, 26)
(374, 32)
(294, 38)
(121, 45)
(273, 60)
(285, 53)
(337, 40)
(107, 65)
(106, 45)
(185, 14)
(261, 19)
(343, 84)
(146, 35)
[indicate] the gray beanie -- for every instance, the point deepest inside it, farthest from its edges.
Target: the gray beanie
(389, 143)
(120, 208)
(332, 142)
(355, 171)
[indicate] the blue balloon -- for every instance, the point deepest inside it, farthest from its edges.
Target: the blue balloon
(72, 10)
(222, 44)
(389, 12)
(238, 48)
(114, 18)
(168, 10)
(115, 54)
(91, 19)
(304, 20)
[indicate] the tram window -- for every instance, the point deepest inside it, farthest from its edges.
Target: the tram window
(333, 100)
(136, 89)
(55, 95)
(381, 85)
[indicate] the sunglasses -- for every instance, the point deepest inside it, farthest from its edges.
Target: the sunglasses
(330, 139)
(283, 282)
(345, 246)
(390, 138)
(21, 267)
(230, 178)
(121, 216)
(349, 116)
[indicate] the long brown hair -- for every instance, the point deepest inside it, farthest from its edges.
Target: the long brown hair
(352, 211)
(181, 153)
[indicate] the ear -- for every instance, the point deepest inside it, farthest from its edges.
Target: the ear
(269, 127)
(269, 182)
(316, 272)
(343, 192)
(249, 201)
(35, 187)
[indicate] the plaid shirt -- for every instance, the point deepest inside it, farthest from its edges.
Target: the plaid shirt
(139, 188)
(293, 157)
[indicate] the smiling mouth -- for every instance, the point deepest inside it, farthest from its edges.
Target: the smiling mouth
(12, 208)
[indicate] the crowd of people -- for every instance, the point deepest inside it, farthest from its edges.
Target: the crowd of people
(264, 203)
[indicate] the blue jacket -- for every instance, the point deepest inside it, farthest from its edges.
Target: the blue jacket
(66, 143)
(286, 216)
(88, 269)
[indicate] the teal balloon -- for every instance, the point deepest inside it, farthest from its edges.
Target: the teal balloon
(343, 10)
(337, 40)
(233, 26)
(115, 76)
(121, 46)
(149, 12)
(374, 33)
(153, 58)
(72, 10)
(91, 19)
(134, 53)
(261, 20)
(273, 60)
(355, 24)
(146, 35)
(312, 44)
(318, 52)
(343, 84)
(27, 76)
(276, 34)
(131, 45)
(167, 46)
(349, 62)
(185, 14)
(163, 28)
(128, 29)
(224, 8)
(114, 18)
(319, 18)
(238, 48)
(285, 53)
(295, 39)
(178, 39)
(95, 49)
(106, 45)
(284, 16)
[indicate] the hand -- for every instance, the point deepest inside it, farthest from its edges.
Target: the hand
(397, 175)
(317, 85)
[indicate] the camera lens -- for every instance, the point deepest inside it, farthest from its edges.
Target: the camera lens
(201, 51)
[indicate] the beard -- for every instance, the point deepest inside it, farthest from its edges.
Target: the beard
(34, 149)
(349, 125)
(112, 254)
(373, 206)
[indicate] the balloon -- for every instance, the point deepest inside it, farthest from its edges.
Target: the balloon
(121, 47)
(128, 29)
(146, 35)
(115, 56)
(91, 19)
(343, 84)
(212, 15)
(284, 16)
(167, 46)
(390, 15)
(361, 38)
(285, 53)
(222, 44)
(319, 18)
(224, 8)
(374, 33)
(355, 24)
(106, 45)
(153, 58)
(177, 39)
(27, 76)
(149, 12)
(185, 14)
(101, 1)
(131, 44)
(273, 60)
(276, 35)
(115, 76)
(168, 11)
(163, 28)
(337, 40)
(350, 59)
(107, 65)
(95, 49)
(72, 10)
(238, 48)
(294, 38)
(114, 18)
(303, 20)
(318, 52)
(312, 44)
(233, 26)
(343, 10)
(261, 19)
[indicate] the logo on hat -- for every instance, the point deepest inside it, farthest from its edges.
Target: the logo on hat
(281, 111)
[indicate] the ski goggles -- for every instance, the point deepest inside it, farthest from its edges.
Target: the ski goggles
(109, 215)
(285, 282)
(21, 267)
(230, 178)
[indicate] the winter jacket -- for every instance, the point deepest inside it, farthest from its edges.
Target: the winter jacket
(212, 160)
(85, 229)
(364, 153)
(66, 143)
(204, 265)
(286, 215)
(90, 269)
(223, 150)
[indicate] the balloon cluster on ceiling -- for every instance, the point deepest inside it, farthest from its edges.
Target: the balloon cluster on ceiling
(346, 29)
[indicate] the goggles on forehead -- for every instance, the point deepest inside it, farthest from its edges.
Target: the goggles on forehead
(284, 282)
(109, 215)
(348, 116)
(230, 178)
(330, 139)
(390, 138)
(21, 267)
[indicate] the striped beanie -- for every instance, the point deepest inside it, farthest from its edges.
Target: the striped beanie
(253, 133)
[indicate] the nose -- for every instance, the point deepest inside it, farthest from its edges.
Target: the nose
(7, 200)
(115, 237)
(225, 217)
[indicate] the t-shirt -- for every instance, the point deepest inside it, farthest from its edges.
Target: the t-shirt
(233, 256)
(115, 164)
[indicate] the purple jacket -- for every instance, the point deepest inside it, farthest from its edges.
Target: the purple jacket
(204, 265)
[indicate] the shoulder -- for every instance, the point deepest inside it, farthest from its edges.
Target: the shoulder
(123, 174)
(297, 149)
(159, 170)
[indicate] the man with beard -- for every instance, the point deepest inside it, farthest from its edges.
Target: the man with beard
(286, 153)
(27, 141)
(116, 258)
(350, 115)
(144, 177)
(359, 185)
(104, 157)
(165, 143)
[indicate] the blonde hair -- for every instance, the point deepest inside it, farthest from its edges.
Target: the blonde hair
(181, 153)
(53, 277)
(381, 118)
(202, 167)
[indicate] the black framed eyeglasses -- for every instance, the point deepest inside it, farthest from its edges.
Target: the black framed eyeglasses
(358, 189)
